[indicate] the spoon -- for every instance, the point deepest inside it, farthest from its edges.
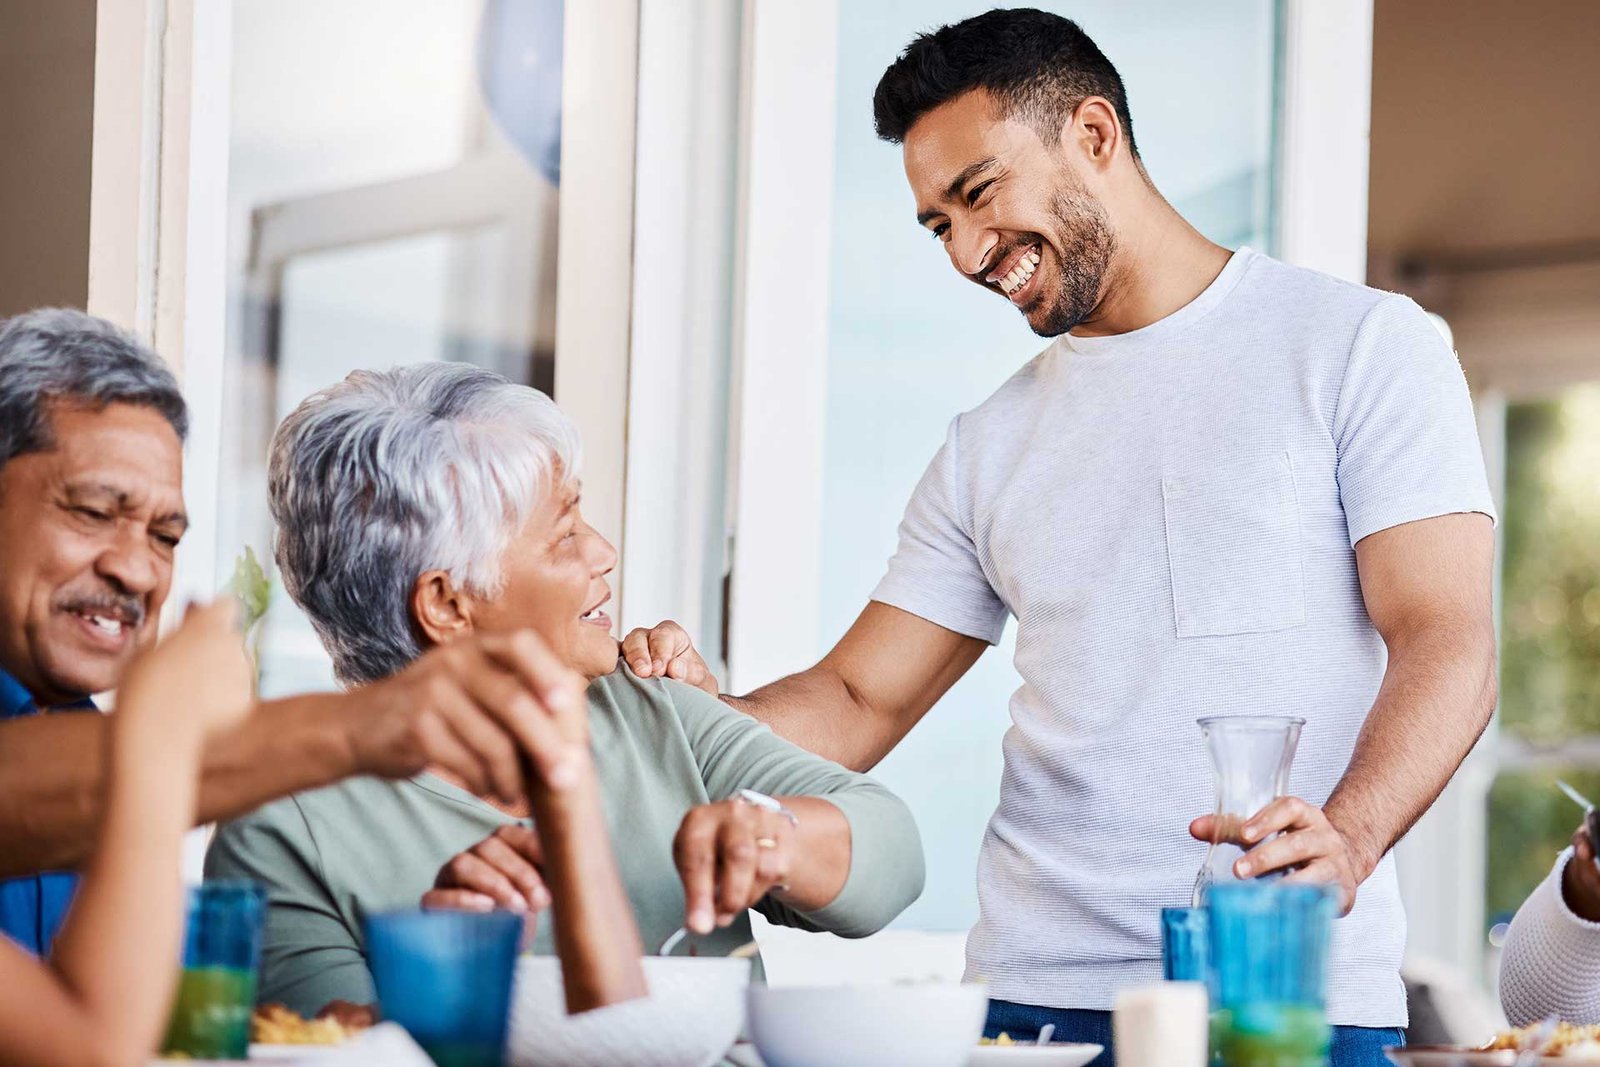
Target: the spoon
(1591, 819)
(1046, 1032)
(743, 952)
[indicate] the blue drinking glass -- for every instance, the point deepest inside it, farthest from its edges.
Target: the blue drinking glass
(221, 957)
(1183, 944)
(1269, 969)
(446, 977)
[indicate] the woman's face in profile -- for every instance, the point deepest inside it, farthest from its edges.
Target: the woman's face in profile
(554, 582)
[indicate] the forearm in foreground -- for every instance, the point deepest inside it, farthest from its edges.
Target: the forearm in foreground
(52, 770)
(595, 934)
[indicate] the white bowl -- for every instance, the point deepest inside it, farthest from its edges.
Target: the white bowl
(867, 1026)
(691, 1018)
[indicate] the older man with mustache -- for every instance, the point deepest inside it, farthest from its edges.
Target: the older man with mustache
(91, 513)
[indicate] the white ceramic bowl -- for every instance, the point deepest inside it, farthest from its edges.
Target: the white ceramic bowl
(934, 1025)
(691, 1018)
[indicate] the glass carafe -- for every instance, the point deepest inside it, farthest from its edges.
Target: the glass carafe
(1250, 756)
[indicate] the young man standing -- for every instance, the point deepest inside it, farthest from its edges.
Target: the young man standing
(1228, 485)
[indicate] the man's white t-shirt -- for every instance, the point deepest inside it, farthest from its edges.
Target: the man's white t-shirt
(1171, 516)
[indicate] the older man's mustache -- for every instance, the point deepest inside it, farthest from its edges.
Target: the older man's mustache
(124, 607)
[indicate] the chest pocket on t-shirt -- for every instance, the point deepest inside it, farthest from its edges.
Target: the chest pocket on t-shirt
(1233, 544)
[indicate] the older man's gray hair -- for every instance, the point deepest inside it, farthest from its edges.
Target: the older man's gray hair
(391, 474)
(61, 356)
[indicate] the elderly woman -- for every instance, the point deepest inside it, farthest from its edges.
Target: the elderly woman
(419, 505)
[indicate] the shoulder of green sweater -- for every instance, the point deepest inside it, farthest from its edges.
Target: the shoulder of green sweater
(641, 700)
(351, 798)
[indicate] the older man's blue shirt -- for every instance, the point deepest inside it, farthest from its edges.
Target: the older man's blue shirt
(32, 908)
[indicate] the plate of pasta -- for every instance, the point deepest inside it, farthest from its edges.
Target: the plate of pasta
(1569, 1044)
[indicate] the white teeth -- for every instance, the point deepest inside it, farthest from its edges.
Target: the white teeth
(1019, 275)
(110, 626)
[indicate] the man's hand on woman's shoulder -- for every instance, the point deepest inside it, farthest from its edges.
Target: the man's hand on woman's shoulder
(666, 651)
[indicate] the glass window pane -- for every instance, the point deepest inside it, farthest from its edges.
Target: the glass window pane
(392, 198)
(1550, 666)
(1550, 636)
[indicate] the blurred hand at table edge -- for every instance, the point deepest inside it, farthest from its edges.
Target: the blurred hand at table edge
(348, 1015)
(1309, 848)
(504, 870)
(1580, 882)
(665, 650)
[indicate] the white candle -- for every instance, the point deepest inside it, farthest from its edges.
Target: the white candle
(1162, 1025)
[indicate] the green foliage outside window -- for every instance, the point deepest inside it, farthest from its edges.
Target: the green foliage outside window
(1550, 631)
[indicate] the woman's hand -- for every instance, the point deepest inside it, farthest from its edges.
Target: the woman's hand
(1580, 882)
(730, 855)
(501, 871)
(665, 651)
(198, 680)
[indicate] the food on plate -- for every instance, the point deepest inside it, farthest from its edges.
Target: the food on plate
(275, 1024)
(1570, 1041)
(1003, 1039)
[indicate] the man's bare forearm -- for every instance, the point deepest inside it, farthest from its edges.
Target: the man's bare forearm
(1436, 699)
(817, 710)
(52, 774)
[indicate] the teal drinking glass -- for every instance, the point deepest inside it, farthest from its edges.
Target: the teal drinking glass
(1269, 970)
(446, 977)
(1183, 944)
(217, 988)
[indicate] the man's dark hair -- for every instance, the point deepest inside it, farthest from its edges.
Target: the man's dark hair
(58, 355)
(1039, 66)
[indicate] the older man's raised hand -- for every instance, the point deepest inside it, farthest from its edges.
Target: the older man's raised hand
(491, 710)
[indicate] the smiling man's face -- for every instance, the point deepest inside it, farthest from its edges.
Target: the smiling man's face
(88, 530)
(1012, 215)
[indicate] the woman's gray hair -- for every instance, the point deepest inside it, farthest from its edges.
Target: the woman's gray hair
(58, 355)
(391, 474)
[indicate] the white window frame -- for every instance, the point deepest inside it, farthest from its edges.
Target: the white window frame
(780, 374)
(687, 151)
(158, 227)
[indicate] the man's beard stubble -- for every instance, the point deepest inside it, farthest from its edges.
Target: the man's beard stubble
(1087, 245)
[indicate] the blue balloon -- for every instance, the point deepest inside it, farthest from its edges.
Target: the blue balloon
(519, 71)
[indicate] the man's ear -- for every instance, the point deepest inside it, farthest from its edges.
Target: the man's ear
(1097, 132)
(440, 610)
